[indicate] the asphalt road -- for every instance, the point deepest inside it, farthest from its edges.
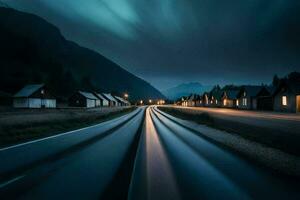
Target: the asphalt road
(142, 155)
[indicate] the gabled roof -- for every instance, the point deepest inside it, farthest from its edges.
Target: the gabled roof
(293, 86)
(217, 94)
(192, 97)
(109, 97)
(231, 93)
(100, 96)
(28, 90)
(123, 100)
(271, 89)
(88, 95)
(251, 90)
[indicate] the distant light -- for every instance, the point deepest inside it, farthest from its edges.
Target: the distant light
(126, 95)
(150, 101)
(141, 102)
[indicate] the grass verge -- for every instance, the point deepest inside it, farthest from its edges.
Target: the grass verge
(17, 133)
(285, 141)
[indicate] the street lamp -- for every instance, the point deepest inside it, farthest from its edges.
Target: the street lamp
(126, 96)
(150, 101)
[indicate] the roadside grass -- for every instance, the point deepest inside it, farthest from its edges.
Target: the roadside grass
(285, 141)
(14, 134)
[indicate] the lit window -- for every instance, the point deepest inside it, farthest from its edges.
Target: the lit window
(216, 101)
(224, 102)
(284, 100)
(237, 102)
(244, 101)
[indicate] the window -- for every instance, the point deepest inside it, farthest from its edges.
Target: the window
(237, 103)
(284, 100)
(244, 101)
(216, 101)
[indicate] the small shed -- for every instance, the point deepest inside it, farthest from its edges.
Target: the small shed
(287, 97)
(103, 101)
(122, 101)
(112, 101)
(119, 100)
(34, 96)
(83, 99)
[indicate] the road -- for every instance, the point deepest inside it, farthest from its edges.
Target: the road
(142, 155)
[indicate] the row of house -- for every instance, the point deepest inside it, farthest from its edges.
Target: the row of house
(39, 96)
(283, 98)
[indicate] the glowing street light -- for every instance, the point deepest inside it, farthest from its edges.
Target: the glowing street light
(126, 96)
(141, 102)
(150, 100)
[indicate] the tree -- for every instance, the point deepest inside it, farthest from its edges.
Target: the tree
(276, 80)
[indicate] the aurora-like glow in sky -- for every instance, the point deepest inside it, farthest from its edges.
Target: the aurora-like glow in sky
(168, 42)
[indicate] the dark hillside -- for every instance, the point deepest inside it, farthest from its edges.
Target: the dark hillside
(34, 51)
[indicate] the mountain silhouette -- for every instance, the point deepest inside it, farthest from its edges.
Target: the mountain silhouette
(34, 51)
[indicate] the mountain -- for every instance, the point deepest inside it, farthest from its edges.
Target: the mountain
(34, 51)
(185, 90)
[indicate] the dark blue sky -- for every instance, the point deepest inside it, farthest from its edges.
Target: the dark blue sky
(168, 42)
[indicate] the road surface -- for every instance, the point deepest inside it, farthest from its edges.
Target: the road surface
(142, 155)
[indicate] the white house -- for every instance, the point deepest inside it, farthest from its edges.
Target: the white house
(122, 101)
(34, 96)
(83, 99)
(111, 99)
(103, 100)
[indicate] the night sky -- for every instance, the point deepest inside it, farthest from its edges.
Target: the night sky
(168, 42)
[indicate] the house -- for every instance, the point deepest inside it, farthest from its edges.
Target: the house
(122, 101)
(194, 100)
(34, 96)
(214, 97)
(103, 101)
(247, 96)
(205, 99)
(83, 99)
(184, 101)
(112, 101)
(191, 100)
(265, 99)
(198, 100)
(229, 98)
(287, 97)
